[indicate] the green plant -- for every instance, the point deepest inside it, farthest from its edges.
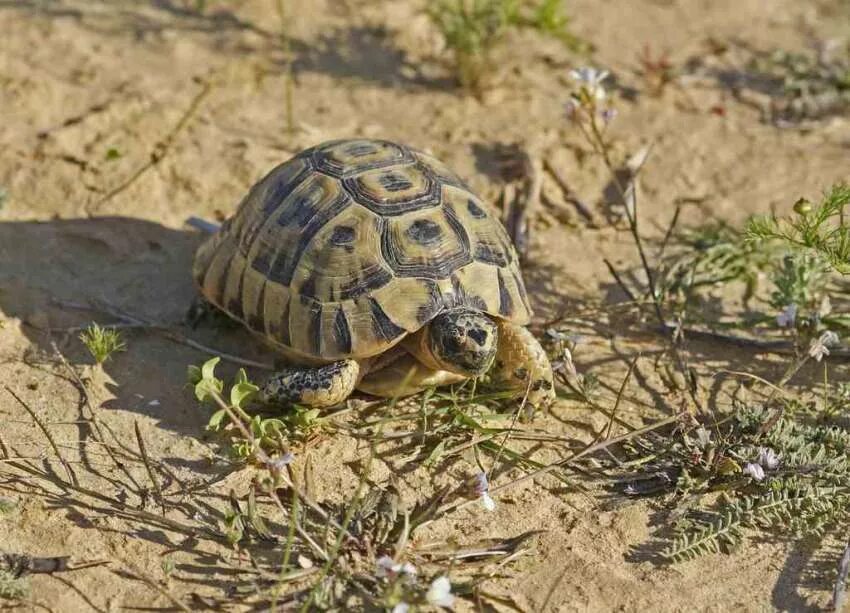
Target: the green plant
(816, 228)
(13, 588)
(752, 475)
(231, 419)
(102, 342)
(471, 30)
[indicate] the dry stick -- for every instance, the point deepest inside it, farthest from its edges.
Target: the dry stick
(772, 346)
(620, 281)
(590, 449)
(156, 488)
(71, 475)
(137, 514)
(160, 149)
(569, 195)
(93, 420)
(839, 592)
(164, 330)
(156, 585)
(4, 448)
(620, 395)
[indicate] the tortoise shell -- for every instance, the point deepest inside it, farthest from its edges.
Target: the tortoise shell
(352, 244)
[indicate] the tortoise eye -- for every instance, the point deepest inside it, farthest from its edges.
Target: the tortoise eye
(479, 336)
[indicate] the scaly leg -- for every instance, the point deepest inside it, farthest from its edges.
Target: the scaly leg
(522, 364)
(316, 386)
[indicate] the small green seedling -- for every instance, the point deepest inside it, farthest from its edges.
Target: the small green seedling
(13, 588)
(113, 154)
(255, 434)
(102, 342)
(471, 30)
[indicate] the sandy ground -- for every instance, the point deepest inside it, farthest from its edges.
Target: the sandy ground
(80, 79)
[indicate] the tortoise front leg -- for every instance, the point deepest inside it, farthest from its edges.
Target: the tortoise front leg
(315, 386)
(521, 364)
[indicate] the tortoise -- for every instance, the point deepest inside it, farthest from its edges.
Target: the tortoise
(369, 265)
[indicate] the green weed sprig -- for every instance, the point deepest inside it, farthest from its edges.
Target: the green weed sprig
(820, 229)
(102, 342)
(471, 29)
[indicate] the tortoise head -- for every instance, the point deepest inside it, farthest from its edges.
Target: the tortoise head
(463, 341)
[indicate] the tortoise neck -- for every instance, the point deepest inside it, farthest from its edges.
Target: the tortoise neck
(417, 345)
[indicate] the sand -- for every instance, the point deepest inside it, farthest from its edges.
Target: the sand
(92, 91)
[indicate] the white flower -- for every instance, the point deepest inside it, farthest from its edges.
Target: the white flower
(488, 502)
(387, 567)
(591, 79)
(440, 593)
(819, 347)
(401, 607)
(703, 437)
(482, 487)
(787, 317)
(754, 470)
(767, 458)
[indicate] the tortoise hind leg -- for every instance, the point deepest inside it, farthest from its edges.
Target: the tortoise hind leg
(315, 386)
(522, 364)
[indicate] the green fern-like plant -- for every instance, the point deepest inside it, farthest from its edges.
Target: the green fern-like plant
(786, 477)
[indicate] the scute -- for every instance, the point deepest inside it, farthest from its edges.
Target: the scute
(352, 244)
(350, 157)
(395, 190)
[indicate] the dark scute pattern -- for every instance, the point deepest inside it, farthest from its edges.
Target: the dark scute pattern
(475, 210)
(460, 297)
(342, 236)
(274, 198)
(383, 325)
(491, 254)
(424, 231)
(314, 325)
(429, 310)
(308, 288)
(394, 182)
(430, 198)
(506, 304)
(342, 332)
(434, 270)
(219, 283)
(234, 305)
(283, 334)
(310, 220)
(257, 321)
(358, 150)
(326, 165)
(372, 280)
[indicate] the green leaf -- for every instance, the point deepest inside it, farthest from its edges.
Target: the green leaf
(215, 419)
(242, 392)
(205, 389)
(241, 376)
(193, 374)
(208, 369)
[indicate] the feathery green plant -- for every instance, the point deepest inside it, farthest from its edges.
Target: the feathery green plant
(755, 474)
(471, 30)
(102, 342)
(816, 228)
